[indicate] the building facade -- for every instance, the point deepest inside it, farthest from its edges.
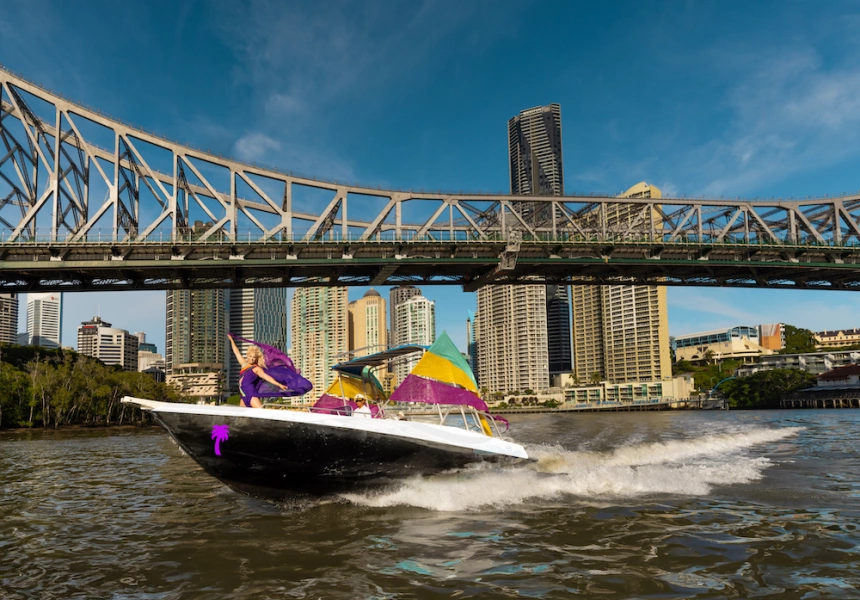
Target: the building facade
(838, 339)
(196, 328)
(472, 345)
(811, 362)
(415, 320)
(8, 318)
(514, 320)
(45, 319)
(319, 332)
(513, 353)
(259, 315)
(772, 336)
(368, 324)
(397, 295)
(736, 343)
(621, 333)
(112, 346)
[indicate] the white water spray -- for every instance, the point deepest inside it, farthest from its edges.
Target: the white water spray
(681, 467)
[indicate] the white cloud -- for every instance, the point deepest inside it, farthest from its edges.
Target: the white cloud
(255, 146)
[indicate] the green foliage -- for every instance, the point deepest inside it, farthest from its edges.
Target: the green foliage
(234, 400)
(707, 376)
(51, 388)
(798, 341)
(766, 388)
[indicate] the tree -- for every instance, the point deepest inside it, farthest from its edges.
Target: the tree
(595, 377)
(798, 341)
(766, 388)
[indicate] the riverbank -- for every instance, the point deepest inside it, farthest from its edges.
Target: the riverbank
(72, 428)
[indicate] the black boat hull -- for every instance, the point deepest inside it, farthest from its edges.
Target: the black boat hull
(282, 460)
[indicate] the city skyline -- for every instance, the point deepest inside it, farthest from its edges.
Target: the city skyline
(720, 109)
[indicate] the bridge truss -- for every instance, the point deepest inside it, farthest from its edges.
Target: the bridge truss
(88, 202)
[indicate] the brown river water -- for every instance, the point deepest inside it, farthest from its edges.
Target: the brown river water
(625, 505)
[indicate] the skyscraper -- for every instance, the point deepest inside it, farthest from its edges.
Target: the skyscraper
(112, 346)
(621, 332)
(8, 318)
(415, 322)
(319, 332)
(521, 327)
(45, 319)
(472, 344)
(367, 324)
(259, 315)
(398, 294)
(196, 328)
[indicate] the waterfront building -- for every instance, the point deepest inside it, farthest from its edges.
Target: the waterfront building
(621, 332)
(472, 345)
(8, 318)
(415, 322)
(142, 344)
(319, 332)
(397, 295)
(840, 377)
(148, 360)
(45, 319)
(811, 362)
(259, 315)
(631, 392)
(512, 344)
(196, 328)
(203, 381)
(736, 343)
(515, 321)
(841, 338)
(368, 328)
(112, 346)
(772, 336)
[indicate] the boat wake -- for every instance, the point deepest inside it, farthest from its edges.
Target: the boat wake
(678, 467)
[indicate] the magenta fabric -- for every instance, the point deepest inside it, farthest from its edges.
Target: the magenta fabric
(420, 389)
(280, 368)
(332, 405)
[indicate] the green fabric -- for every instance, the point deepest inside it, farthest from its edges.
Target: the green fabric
(445, 348)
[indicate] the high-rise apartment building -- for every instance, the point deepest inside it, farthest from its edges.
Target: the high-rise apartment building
(398, 294)
(259, 315)
(196, 329)
(511, 327)
(621, 332)
(45, 319)
(515, 320)
(8, 318)
(415, 322)
(472, 345)
(319, 332)
(368, 331)
(112, 346)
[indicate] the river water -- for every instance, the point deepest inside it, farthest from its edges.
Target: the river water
(624, 505)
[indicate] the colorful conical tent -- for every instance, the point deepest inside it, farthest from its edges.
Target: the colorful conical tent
(342, 391)
(442, 376)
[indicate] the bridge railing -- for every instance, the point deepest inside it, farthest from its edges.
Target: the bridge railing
(253, 236)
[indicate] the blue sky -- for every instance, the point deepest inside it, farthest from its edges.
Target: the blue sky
(727, 98)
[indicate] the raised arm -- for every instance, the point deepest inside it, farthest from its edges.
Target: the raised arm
(238, 354)
(261, 373)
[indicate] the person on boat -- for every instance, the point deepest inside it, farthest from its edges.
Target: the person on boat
(362, 410)
(253, 368)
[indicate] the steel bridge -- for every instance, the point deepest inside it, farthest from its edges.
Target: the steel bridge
(88, 202)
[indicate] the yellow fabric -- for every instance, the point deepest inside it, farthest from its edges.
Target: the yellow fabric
(486, 427)
(348, 387)
(435, 367)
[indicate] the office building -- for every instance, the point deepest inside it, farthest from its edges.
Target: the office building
(558, 329)
(8, 318)
(319, 332)
(368, 325)
(142, 344)
(621, 332)
(736, 343)
(415, 322)
(259, 315)
(112, 346)
(45, 319)
(196, 329)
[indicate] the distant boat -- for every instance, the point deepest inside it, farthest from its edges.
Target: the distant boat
(281, 454)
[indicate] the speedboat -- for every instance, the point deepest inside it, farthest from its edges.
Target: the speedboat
(322, 450)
